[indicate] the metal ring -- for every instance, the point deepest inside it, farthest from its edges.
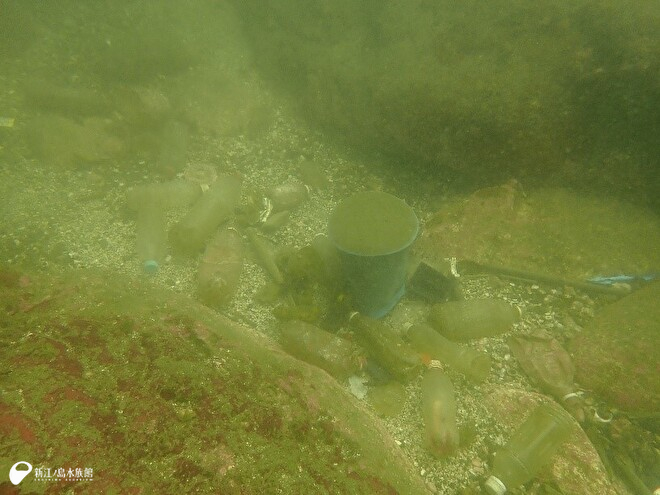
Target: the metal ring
(599, 419)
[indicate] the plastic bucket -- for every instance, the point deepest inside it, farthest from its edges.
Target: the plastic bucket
(373, 232)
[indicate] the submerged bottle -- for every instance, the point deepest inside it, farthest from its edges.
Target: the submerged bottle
(439, 412)
(472, 363)
(386, 347)
(266, 254)
(220, 268)
(151, 242)
(339, 357)
(531, 447)
(189, 236)
(473, 319)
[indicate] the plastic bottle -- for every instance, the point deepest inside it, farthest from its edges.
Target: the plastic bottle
(151, 242)
(472, 363)
(339, 357)
(214, 207)
(530, 448)
(220, 268)
(439, 412)
(266, 254)
(473, 319)
(386, 347)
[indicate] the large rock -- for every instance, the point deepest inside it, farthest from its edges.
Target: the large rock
(546, 91)
(616, 355)
(157, 394)
(550, 231)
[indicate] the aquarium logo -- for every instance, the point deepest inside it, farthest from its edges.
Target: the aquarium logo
(16, 475)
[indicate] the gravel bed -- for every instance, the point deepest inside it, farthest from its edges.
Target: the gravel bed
(78, 218)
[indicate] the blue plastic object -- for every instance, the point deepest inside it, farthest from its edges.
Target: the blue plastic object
(150, 267)
(622, 279)
(373, 232)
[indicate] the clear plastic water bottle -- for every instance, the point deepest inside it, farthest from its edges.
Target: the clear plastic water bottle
(339, 357)
(151, 231)
(150, 203)
(530, 448)
(473, 319)
(386, 347)
(472, 363)
(439, 412)
(215, 207)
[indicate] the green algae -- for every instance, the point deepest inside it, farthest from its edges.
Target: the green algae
(156, 393)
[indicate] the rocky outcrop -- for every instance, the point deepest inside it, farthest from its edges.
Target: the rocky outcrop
(156, 393)
(616, 353)
(559, 92)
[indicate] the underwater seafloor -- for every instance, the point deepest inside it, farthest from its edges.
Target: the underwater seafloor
(106, 367)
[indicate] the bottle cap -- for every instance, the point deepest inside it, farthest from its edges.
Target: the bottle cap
(150, 267)
(494, 486)
(434, 364)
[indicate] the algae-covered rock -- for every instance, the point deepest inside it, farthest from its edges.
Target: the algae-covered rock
(553, 91)
(155, 393)
(553, 231)
(616, 355)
